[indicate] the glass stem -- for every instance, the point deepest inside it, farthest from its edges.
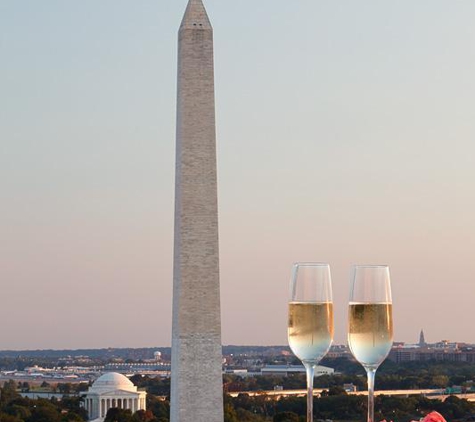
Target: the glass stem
(310, 370)
(371, 372)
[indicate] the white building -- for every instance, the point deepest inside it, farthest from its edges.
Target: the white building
(291, 369)
(112, 390)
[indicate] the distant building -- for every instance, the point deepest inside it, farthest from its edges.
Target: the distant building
(443, 351)
(292, 369)
(241, 372)
(146, 368)
(446, 345)
(112, 390)
(339, 351)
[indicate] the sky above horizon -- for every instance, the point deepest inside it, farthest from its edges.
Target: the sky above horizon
(345, 134)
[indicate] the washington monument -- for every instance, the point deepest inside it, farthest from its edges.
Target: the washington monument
(196, 384)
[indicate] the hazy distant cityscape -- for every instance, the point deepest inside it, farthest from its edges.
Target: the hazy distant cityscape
(85, 365)
(261, 383)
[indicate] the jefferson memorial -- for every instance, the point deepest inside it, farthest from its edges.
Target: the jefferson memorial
(112, 390)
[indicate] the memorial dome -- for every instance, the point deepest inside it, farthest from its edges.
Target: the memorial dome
(113, 381)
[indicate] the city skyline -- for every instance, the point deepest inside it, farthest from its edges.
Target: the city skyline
(344, 134)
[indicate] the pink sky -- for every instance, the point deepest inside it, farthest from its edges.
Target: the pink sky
(345, 134)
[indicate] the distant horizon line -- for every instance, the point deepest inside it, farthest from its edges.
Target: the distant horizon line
(169, 347)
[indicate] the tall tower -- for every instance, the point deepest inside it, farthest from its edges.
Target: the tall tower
(196, 385)
(422, 341)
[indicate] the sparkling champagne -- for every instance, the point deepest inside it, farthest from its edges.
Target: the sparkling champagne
(310, 329)
(370, 334)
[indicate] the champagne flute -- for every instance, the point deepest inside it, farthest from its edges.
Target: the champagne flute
(310, 324)
(370, 332)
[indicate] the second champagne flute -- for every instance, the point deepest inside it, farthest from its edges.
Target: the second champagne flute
(370, 331)
(310, 325)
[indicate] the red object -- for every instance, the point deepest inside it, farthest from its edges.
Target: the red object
(434, 417)
(431, 417)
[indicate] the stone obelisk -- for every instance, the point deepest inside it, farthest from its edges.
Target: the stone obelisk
(196, 384)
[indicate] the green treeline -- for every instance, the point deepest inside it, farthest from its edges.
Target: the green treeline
(14, 408)
(339, 406)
